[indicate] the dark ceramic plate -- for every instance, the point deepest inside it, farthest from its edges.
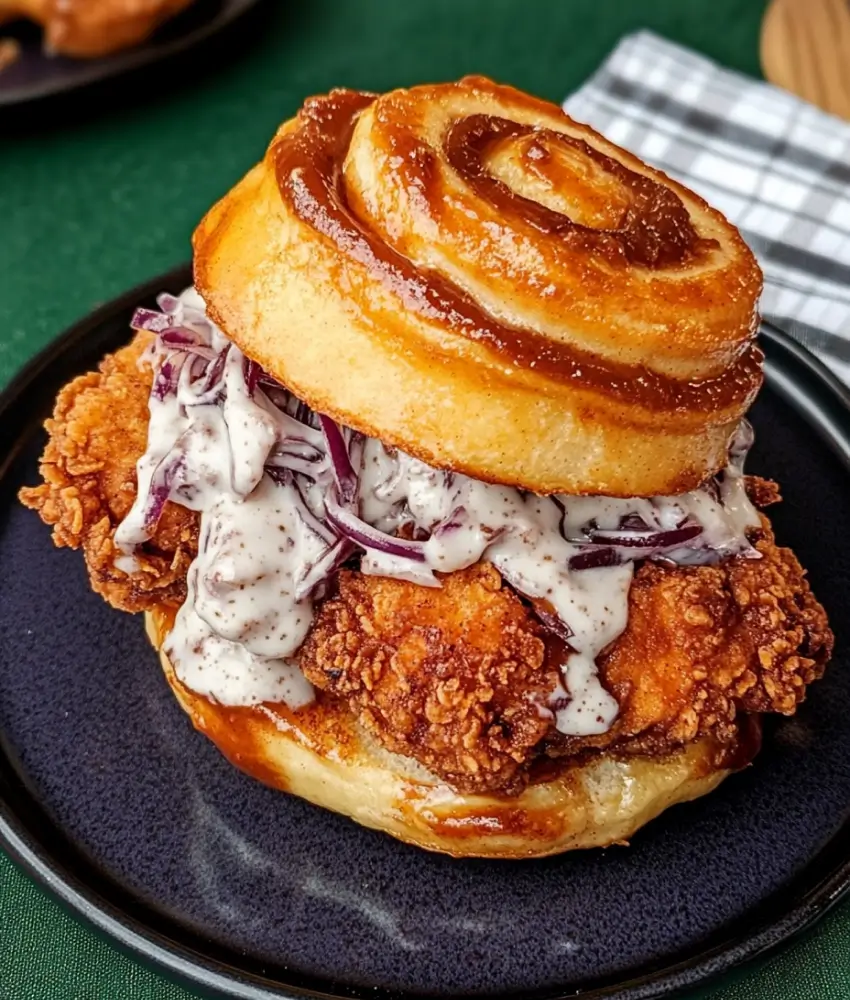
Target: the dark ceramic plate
(109, 798)
(36, 74)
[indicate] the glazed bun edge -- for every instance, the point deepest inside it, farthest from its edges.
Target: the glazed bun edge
(323, 755)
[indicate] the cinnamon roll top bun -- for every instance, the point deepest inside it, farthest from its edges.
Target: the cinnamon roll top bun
(464, 272)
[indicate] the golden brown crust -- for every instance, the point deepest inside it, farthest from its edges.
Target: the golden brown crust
(287, 286)
(762, 492)
(90, 28)
(704, 644)
(435, 674)
(323, 755)
(782, 633)
(454, 677)
(97, 433)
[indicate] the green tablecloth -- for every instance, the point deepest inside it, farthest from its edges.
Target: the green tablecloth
(105, 192)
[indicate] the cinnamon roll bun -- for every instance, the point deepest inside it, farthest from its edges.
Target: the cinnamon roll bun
(324, 755)
(468, 274)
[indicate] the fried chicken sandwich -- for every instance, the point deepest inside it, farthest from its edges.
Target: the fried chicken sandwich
(431, 490)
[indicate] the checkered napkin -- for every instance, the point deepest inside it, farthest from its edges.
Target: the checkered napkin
(776, 166)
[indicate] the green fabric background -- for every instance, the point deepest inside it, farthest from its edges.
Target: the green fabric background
(103, 192)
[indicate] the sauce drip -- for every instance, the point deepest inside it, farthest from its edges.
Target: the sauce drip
(263, 478)
(520, 535)
(234, 636)
(308, 165)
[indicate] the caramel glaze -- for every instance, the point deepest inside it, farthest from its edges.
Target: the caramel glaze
(542, 824)
(325, 726)
(232, 731)
(740, 754)
(655, 233)
(471, 824)
(328, 727)
(731, 756)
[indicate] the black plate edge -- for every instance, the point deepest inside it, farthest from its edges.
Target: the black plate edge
(800, 379)
(127, 61)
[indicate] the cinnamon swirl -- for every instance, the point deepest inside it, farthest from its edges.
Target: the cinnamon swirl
(470, 275)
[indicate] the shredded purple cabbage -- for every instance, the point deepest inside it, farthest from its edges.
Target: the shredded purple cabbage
(163, 486)
(349, 524)
(612, 548)
(550, 621)
(322, 459)
(343, 469)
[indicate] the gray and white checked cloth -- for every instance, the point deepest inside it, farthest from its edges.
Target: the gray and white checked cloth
(776, 166)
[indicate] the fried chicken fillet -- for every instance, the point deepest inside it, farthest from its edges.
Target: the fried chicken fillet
(458, 677)
(96, 435)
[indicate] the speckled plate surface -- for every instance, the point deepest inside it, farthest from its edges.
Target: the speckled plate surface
(110, 798)
(36, 74)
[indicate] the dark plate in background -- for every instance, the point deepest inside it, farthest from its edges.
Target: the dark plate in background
(109, 798)
(36, 74)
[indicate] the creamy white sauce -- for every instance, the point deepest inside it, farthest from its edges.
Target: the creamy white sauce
(519, 533)
(234, 637)
(237, 635)
(226, 672)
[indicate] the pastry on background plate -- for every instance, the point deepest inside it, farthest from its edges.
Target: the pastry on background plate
(90, 28)
(432, 489)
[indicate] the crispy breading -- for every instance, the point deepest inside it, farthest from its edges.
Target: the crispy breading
(435, 674)
(762, 492)
(454, 677)
(704, 643)
(458, 677)
(97, 433)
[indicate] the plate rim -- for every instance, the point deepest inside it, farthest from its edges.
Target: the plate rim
(101, 68)
(798, 377)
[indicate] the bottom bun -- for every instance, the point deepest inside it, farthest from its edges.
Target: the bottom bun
(322, 754)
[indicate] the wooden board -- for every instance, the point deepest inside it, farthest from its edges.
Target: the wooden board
(805, 48)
